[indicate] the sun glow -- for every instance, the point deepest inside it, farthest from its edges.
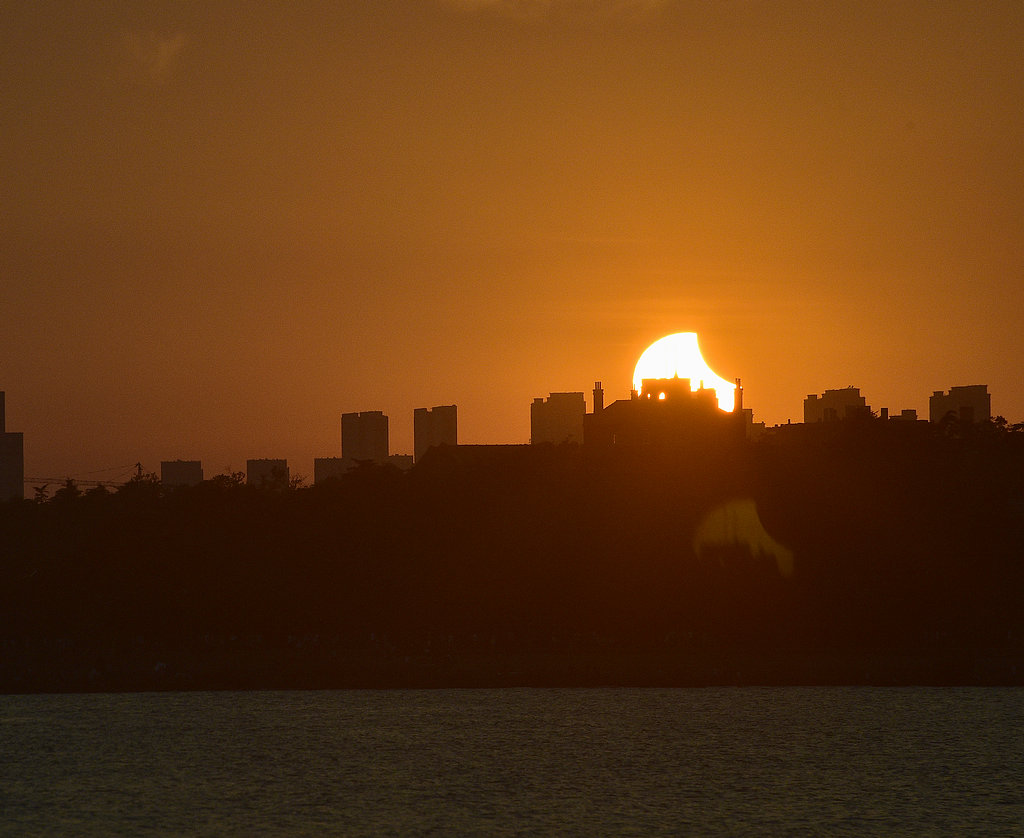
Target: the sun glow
(678, 356)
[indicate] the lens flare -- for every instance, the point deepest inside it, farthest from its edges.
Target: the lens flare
(678, 356)
(737, 524)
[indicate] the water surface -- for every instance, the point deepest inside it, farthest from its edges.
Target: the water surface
(720, 761)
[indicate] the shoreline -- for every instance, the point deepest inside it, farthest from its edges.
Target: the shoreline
(526, 670)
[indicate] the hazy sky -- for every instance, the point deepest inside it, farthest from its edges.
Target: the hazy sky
(224, 224)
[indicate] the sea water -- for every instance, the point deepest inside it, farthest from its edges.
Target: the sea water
(722, 761)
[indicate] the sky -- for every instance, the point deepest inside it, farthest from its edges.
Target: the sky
(225, 224)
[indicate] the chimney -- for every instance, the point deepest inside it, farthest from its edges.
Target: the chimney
(598, 397)
(739, 396)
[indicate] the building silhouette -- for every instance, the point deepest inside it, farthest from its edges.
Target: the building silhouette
(751, 430)
(834, 405)
(267, 473)
(326, 468)
(908, 415)
(434, 426)
(181, 472)
(968, 405)
(666, 412)
(364, 436)
(499, 458)
(12, 459)
(557, 419)
(364, 439)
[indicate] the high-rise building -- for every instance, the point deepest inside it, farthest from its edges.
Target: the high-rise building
(364, 436)
(12, 459)
(968, 405)
(434, 426)
(834, 405)
(557, 419)
(181, 472)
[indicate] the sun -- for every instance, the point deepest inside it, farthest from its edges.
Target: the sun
(678, 356)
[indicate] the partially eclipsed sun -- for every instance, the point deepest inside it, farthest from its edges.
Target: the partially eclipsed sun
(678, 356)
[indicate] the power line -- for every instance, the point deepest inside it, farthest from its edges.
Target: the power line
(127, 472)
(112, 468)
(44, 481)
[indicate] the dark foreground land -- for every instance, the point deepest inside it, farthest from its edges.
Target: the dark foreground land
(310, 663)
(857, 554)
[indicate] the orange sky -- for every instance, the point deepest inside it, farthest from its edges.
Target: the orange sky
(225, 224)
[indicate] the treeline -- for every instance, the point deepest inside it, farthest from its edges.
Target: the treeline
(903, 543)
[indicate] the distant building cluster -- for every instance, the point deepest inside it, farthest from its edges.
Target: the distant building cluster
(365, 439)
(968, 405)
(663, 411)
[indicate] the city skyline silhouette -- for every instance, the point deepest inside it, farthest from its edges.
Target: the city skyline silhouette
(228, 226)
(644, 418)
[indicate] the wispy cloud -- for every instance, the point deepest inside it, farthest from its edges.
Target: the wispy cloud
(547, 9)
(153, 57)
